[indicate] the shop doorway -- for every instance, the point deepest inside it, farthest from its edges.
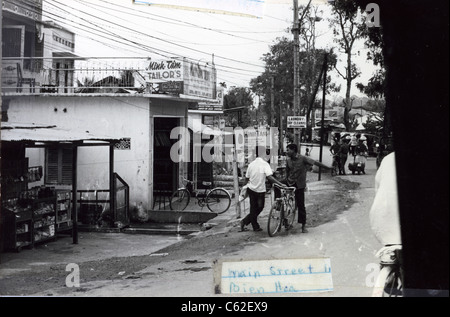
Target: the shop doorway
(165, 171)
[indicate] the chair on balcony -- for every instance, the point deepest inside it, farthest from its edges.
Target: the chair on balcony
(21, 80)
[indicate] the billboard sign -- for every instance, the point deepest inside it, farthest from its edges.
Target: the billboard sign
(173, 87)
(199, 80)
(161, 71)
(296, 121)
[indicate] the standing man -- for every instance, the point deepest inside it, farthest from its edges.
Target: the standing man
(343, 155)
(297, 166)
(257, 173)
(334, 150)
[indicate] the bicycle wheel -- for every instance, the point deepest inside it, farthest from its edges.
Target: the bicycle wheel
(274, 222)
(218, 200)
(378, 290)
(180, 199)
(289, 213)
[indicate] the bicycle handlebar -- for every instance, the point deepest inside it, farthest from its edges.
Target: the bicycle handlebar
(285, 187)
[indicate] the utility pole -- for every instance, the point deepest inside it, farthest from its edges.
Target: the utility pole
(280, 135)
(272, 100)
(296, 32)
(1, 105)
(322, 130)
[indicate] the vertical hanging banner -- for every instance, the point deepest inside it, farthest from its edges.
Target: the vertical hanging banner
(245, 8)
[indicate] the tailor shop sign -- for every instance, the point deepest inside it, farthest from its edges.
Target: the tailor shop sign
(162, 71)
(182, 77)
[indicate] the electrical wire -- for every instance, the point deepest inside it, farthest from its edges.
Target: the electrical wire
(138, 45)
(156, 38)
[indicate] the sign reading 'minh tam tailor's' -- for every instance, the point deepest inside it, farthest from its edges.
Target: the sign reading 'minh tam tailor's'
(161, 71)
(182, 76)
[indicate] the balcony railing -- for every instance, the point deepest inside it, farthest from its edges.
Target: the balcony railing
(74, 76)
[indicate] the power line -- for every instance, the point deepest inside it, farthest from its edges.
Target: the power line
(156, 38)
(184, 23)
(146, 48)
(139, 44)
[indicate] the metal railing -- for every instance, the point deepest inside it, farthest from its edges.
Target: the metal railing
(98, 201)
(66, 75)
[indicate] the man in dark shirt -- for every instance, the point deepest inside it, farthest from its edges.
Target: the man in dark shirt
(343, 154)
(297, 166)
(334, 149)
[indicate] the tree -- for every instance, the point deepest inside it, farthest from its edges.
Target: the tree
(345, 22)
(374, 41)
(376, 86)
(279, 66)
(239, 103)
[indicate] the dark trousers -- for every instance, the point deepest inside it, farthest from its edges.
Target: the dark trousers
(342, 165)
(256, 206)
(299, 202)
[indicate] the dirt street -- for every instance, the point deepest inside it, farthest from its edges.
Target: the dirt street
(337, 213)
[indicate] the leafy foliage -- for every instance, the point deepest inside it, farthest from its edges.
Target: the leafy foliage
(280, 66)
(241, 100)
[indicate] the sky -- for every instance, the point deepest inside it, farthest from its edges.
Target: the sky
(121, 28)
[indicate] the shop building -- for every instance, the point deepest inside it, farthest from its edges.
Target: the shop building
(57, 106)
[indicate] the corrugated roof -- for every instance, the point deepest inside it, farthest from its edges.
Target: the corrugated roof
(46, 133)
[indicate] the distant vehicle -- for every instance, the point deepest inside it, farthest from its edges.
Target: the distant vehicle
(372, 140)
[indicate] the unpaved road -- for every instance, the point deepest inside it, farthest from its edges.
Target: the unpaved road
(337, 212)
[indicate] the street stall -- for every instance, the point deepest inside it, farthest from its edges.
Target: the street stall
(34, 214)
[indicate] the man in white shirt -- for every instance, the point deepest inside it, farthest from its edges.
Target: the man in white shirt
(257, 173)
(384, 213)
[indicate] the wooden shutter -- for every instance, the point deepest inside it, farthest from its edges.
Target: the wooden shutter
(52, 166)
(66, 166)
(59, 166)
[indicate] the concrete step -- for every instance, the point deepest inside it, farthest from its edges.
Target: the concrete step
(166, 228)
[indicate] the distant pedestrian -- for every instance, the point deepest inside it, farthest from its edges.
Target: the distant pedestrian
(297, 166)
(353, 143)
(343, 155)
(258, 171)
(334, 149)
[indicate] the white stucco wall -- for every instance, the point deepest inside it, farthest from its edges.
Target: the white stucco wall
(113, 116)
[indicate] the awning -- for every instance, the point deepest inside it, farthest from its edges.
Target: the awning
(39, 135)
(67, 55)
(47, 133)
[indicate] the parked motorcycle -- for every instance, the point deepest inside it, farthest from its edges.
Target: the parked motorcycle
(358, 165)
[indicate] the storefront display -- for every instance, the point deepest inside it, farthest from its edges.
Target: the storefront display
(29, 215)
(35, 217)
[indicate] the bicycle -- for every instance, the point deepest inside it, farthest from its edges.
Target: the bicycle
(218, 200)
(282, 211)
(389, 282)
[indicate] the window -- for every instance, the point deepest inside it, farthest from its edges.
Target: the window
(58, 166)
(13, 41)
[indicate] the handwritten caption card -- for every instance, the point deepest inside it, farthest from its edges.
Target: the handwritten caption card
(276, 276)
